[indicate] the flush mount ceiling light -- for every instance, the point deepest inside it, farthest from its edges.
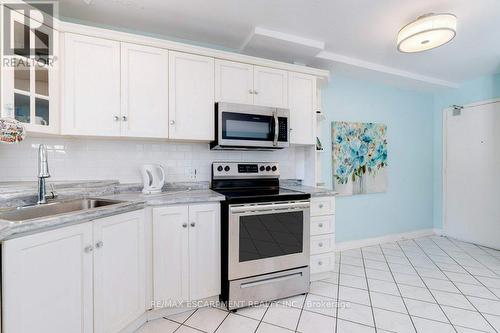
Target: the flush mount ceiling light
(427, 32)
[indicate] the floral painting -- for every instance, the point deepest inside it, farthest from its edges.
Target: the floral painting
(359, 156)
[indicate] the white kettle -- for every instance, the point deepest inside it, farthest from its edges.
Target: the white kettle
(153, 177)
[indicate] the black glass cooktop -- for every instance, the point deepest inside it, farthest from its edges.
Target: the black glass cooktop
(261, 194)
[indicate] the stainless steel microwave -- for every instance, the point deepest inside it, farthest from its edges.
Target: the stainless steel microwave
(245, 127)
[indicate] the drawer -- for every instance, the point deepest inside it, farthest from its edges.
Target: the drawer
(322, 263)
(322, 243)
(322, 225)
(322, 206)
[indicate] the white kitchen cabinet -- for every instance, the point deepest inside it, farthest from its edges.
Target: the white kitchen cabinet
(302, 103)
(170, 255)
(119, 271)
(248, 84)
(322, 243)
(144, 91)
(204, 251)
(186, 253)
(47, 282)
(270, 87)
(191, 97)
(91, 90)
(233, 82)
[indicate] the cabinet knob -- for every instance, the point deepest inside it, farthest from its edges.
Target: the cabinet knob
(124, 118)
(320, 225)
(88, 249)
(255, 92)
(116, 118)
(172, 122)
(320, 244)
(291, 129)
(99, 245)
(250, 91)
(320, 263)
(320, 205)
(184, 225)
(193, 224)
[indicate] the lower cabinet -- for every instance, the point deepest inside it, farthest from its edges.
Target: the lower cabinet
(322, 236)
(84, 278)
(186, 253)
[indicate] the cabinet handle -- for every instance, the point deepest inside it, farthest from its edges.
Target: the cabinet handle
(320, 225)
(184, 225)
(320, 205)
(320, 244)
(320, 263)
(172, 122)
(88, 249)
(116, 118)
(193, 224)
(99, 244)
(255, 92)
(250, 91)
(124, 118)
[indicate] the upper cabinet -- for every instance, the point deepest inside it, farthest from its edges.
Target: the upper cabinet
(91, 86)
(247, 84)
(144, 91)
(191, 97)
(29, 89)
(302, 104)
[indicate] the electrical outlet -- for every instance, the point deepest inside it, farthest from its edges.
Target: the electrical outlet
(192, 173)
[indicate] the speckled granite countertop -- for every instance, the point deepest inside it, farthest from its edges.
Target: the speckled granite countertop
(18, 194)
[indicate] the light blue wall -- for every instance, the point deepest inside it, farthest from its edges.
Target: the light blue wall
(408, 203)
(477, 90)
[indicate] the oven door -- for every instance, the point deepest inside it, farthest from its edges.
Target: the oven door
(267, 237)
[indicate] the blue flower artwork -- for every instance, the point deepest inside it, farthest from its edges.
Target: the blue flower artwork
(359, 157)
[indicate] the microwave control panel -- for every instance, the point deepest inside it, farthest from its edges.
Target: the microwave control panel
(283, 129)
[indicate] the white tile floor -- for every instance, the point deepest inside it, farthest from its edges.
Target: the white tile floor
(427, 285)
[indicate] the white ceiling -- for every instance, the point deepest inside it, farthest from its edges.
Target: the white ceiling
(362, 32)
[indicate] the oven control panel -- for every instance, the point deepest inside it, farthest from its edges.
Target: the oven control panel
(245, 169)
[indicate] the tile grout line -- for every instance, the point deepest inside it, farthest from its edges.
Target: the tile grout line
(368, 289)
(401, 295)
(181, 324)
(425, 284)
(454, 283)
(261, 318)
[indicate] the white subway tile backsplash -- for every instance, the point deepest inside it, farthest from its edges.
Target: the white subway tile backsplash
(86, 159)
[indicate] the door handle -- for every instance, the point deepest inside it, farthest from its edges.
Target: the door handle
(184, 225)
(193, 224)
(88, 249)
(276, 128)
(99, 244)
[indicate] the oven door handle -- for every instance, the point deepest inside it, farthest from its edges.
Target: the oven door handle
(271, 207)
(276, 128)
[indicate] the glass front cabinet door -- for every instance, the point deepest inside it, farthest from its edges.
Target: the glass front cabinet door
(30, 74)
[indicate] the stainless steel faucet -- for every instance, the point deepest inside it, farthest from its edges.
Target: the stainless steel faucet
(43, 173)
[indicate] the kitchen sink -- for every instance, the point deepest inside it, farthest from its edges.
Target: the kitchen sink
(54, 208)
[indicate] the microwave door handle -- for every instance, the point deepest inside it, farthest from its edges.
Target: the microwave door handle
(276, 128)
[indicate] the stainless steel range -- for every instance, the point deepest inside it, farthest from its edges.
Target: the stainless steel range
(265, 234)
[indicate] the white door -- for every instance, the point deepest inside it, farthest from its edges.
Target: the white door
(170, 255)
(191, 97)
(91, 86)
(204, 251)
(302, 103)
(119, 271)
(47, 282)
(270, 87)
(472, 178)
(233, 82)
(144, 86)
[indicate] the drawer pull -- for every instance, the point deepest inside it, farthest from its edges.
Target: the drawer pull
(320, 244)
(320, 263)
(320, 205)
(320, 225)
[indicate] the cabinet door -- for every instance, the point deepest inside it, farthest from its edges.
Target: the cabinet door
(47, 282)
(302, 103)
(119, 271)
(170, 255)
(144, 88)
(204, 251)
(91, 88)
(270, 87)
(191, 97)
(233, 82)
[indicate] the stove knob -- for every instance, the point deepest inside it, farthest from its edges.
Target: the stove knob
(227, 168)
(274, 168)
(220, 168)
(262, 168)
(268, 168)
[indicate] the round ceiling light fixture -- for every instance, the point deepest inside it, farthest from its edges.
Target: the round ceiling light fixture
(427, 32)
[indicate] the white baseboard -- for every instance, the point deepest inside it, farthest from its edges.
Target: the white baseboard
(386, 239)
(438, 231)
